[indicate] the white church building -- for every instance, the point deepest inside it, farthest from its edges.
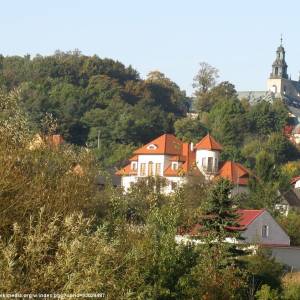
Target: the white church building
(176, 161)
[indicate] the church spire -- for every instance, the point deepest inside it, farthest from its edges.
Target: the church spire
(279, 67)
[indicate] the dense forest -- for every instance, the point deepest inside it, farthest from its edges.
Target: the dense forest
(60, 232)
(93, 98)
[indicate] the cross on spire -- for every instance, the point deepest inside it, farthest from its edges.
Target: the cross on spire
(281, 40)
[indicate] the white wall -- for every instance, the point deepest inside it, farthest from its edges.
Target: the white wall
(176, 179)
(126, 181)
(205, 154)
(297, 184)
(155, 159)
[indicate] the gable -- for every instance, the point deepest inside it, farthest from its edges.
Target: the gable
(254, 231)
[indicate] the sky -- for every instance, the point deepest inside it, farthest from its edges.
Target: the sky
(237, 37)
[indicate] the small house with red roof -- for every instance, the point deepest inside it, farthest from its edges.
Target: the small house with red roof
(259, 227)
(256, 227)
(174, 160)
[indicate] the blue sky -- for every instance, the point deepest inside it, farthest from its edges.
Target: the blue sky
(237, 37)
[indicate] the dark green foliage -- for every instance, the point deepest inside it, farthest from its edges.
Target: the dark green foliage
(227, 122)
(189, 130)
(291, 223)
(263, 269)
(95, 101)
(219, 209)
(222, 92)
(266, 118)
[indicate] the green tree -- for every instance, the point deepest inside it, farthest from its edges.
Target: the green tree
(189, 130)
(205, 78)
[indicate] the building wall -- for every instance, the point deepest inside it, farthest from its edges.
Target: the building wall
(177, 182)
(297, 184)
(200, 154)
(172, 183)
(155, 159)
(284, 87)
(241, 189)
(289, 256)
(126, 181)
(276, 236)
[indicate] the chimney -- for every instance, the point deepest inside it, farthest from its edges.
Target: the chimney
(192, 146)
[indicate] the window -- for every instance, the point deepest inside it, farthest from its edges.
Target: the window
(173, 185)
(174, 166)
(157, 169)
(150, 168)
(203, 161)
(143, 169)
(209, 164)
(216, 165)
(134, 166)
(152, 147)
(265, 231)
(276, 70)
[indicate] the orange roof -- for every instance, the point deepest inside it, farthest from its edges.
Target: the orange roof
(134, 158)
(234, 172)
(188, 159)
(208, 143)
(126, 171)
(165, 144)
(178, 158)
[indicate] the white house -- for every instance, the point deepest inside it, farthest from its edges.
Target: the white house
(170, 158)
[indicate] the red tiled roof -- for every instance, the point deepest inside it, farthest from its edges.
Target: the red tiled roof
(168, 144)
(234, 172)
(188, 159)
(178, 158)
(247, 216)
(208, 143)
(126, 171)
(295, 179)
(134, 158)
(165, 144)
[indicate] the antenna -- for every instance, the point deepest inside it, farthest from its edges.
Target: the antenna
(281, 39)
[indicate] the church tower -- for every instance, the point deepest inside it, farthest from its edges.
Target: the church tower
(279, 67)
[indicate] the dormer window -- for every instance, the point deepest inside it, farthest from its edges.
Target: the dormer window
(174, 165)
(134, 166)
(152, 147)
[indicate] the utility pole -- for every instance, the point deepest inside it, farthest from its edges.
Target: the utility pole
(98, 139)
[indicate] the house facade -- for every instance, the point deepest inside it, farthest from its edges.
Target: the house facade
(259, 227)
(170, 158)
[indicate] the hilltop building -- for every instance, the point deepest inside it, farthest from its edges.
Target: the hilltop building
(176, 161)
(279, 85)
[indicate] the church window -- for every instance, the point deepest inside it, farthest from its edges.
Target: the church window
(276, 70)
